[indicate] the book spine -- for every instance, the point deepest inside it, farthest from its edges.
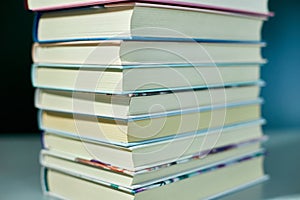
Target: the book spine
(43, 143)
(44, 182)
(37, 98)
(33, 75)
(36, 19)
(39, 120)
(33, 52)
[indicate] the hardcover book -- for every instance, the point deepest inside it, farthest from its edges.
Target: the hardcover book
(150, 126)
(251, 7)
(142, 79)
(141, 20)
(142, 102)
(147, 52)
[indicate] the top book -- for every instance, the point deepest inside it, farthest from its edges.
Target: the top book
(252, 7)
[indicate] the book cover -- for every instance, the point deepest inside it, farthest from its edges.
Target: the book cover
(162, 2)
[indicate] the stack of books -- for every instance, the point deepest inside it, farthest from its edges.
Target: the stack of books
(149, 99)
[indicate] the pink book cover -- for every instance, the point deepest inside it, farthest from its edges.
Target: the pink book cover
(162, 2)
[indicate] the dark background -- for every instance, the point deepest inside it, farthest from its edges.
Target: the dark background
(282, 73)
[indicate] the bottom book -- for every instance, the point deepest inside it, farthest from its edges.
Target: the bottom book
(204, 183)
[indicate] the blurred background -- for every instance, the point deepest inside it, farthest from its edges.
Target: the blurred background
(282, 73)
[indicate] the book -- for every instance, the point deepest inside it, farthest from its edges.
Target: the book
(140, 155)
(144, 20)
(212, 181)
(141, 102)
(256, 7)
(136, 179)
(132, 79)
(150, 126)
(146, 52)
